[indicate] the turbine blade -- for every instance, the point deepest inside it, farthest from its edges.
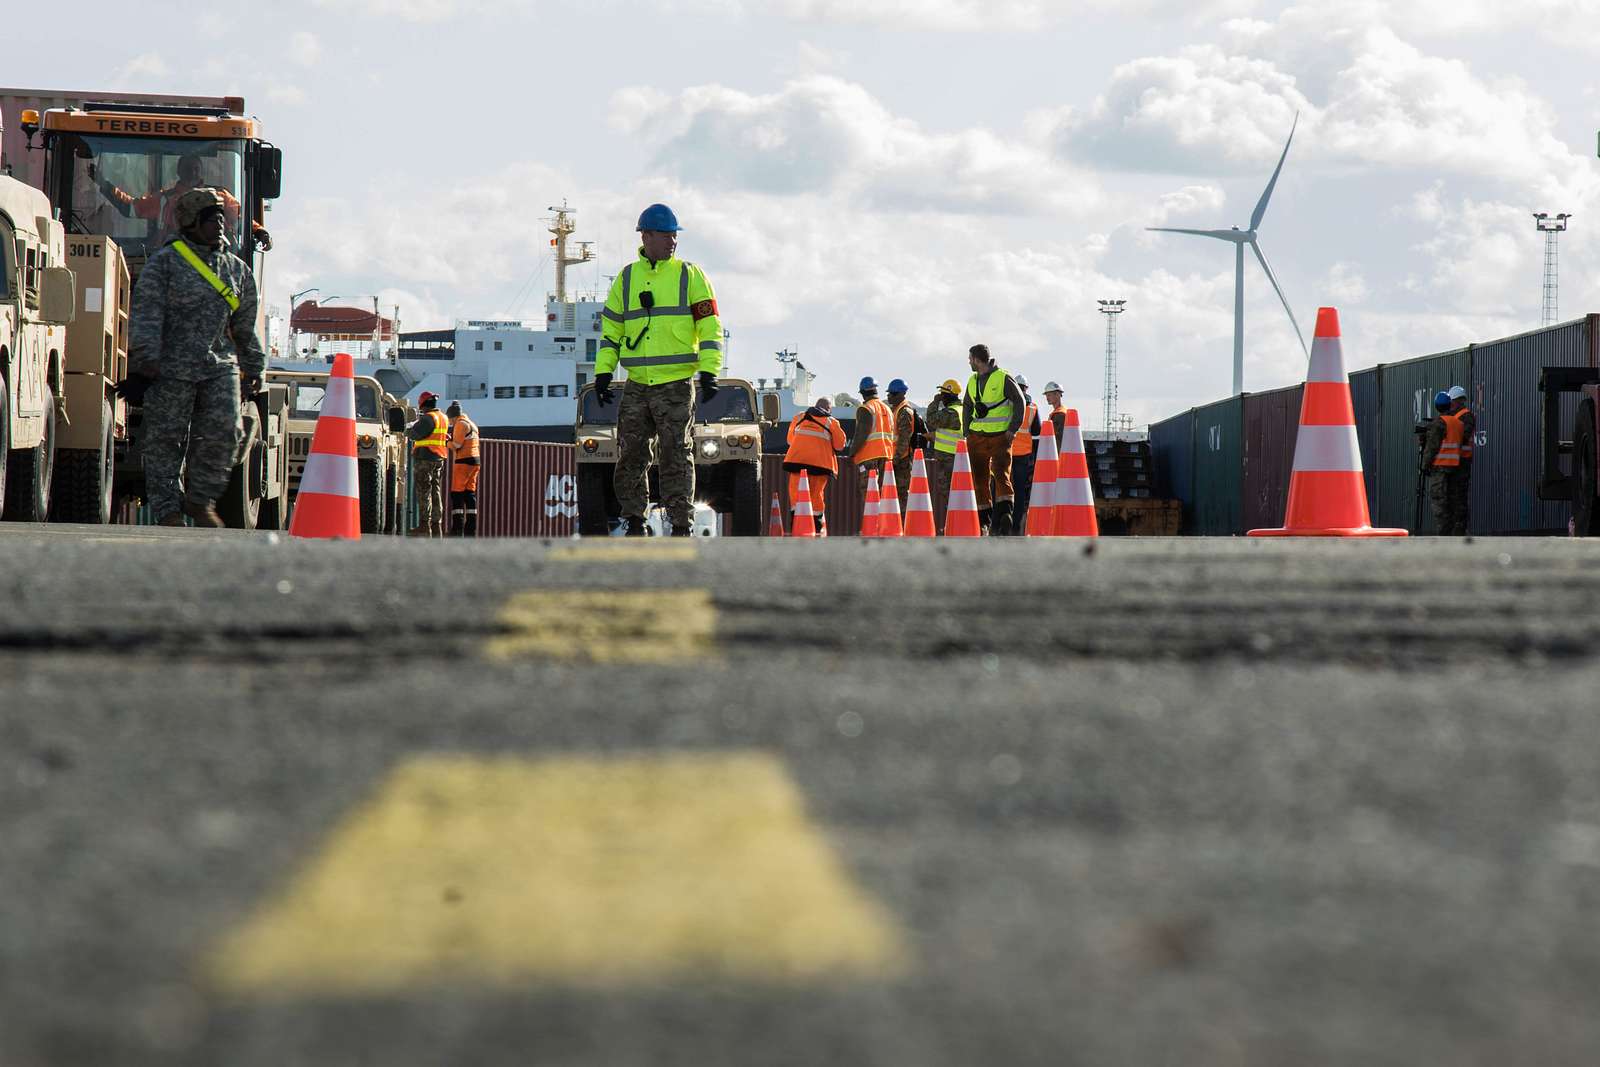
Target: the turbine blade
(1221, 235)
(1266, 195)
(1262, 259)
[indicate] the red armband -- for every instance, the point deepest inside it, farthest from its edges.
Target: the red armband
(704, 310)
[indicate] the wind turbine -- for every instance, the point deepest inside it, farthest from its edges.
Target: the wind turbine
(1241, 238)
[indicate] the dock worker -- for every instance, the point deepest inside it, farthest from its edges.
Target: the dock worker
(906, 433)
(1022, 447)
(193, 357)
(1441, 458)
(1058, 408)
(465, 464)
(872, 446)
(992, 413)
(430, 445)
(660, 323)
(1469, 431)
(944, 423)
(815, 439)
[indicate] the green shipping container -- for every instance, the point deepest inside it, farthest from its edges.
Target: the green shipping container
(1219, 468)
(1407, 398)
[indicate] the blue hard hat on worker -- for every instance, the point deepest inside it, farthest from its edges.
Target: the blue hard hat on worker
(897, 386)
(1441, 401)
(869, 382)
(658, 217)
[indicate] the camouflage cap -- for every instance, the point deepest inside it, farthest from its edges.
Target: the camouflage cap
(195, 203)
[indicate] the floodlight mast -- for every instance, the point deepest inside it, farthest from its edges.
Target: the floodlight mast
(1552, 226)
(1111, 309)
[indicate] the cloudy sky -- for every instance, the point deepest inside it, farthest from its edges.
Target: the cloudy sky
(883, 182)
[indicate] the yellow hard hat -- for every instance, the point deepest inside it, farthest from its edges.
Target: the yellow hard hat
(950, 386)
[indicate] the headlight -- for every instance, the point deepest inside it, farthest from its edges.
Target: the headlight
(745, 441)
(708, 449)
(368, 441)
(590, 445)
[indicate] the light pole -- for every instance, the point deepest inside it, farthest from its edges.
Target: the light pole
(1111, 309)
(1552, 226)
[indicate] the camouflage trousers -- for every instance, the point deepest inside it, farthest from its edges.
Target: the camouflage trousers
(427, 475)
(1447, 492)
(191, 432)
(663, 416)
(864, 473)
(902, 481)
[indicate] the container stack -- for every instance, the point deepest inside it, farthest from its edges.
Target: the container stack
(1120, 470)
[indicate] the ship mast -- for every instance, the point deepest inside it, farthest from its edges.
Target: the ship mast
(563, 227)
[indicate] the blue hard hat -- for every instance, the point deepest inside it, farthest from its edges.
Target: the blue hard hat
(898, 386)
(659, 217)
(1441, 400)
(866, 383)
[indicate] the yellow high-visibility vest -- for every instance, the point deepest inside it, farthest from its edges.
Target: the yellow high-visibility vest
(997, 419)
(677, 336)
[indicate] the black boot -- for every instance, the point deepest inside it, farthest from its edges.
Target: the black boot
(635, 526)
(683, 531)
(985, 517)
(1002, 518)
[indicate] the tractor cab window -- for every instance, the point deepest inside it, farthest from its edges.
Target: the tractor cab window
(366, 401)
(729, 405)
(307, 401)
(127, 188)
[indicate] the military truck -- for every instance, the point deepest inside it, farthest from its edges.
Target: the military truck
(36, 302)
(111, 166)
(383, 452)
(727, 457)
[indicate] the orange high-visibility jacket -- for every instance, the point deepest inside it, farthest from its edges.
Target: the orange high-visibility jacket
(812, 444)
(1022, 444)
(1454, 433)
(438, 440)
(880, 444)
(464, 443)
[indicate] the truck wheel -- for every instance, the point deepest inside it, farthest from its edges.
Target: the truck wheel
(372, 501)
(31, 472)
(1585, 508)
(83, 479)
(592, 518)
(240, 506)
(746, 500)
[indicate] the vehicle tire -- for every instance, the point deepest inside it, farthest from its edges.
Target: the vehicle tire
(372, 482)
(31, 472)
(593, 520)
(84, 476)
(1585, 484)
(746, 500)
(240, 506)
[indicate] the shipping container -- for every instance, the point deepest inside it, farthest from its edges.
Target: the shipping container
(1172, 453)
(1504, 396)
(1271, 425)
(1219, 468)
(1407, 400)
(527, 489)
(1364, 395)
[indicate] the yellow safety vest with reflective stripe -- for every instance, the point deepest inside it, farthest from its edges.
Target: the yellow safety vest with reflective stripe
(945, 438)
(437, 441)
(676, 337)
(223, 289)
(997, 419)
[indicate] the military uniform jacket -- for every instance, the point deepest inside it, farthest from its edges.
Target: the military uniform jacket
(181, 327)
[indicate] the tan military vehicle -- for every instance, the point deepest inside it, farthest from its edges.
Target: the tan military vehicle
(36, 302)
(727, 457)
(383, 453)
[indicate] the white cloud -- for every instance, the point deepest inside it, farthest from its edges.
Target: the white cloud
(143, 66)
(287, 95)
(304, 48)
(1343, 285)
(1191, 200)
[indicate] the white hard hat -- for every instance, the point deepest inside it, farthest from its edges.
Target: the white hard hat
(1457, 393)
(1021, 379)
(1052, 387)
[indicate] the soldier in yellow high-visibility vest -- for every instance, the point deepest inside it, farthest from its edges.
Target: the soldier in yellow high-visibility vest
(660, 324)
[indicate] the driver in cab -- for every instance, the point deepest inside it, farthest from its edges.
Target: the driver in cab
(162, 206)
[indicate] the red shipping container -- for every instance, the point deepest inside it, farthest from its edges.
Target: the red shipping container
(527, 489)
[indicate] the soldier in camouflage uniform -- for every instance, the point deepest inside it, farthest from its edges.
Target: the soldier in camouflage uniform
(944, 413)
(193, 353)
(1446, 481)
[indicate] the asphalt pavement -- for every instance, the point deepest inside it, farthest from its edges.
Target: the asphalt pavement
(1197, 801)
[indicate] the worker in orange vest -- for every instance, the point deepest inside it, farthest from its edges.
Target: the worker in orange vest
(1058, 409)
(465, 463)
(1022, 447)
(430, 443)
(815, 439)
(872, 448)
(1441, 458)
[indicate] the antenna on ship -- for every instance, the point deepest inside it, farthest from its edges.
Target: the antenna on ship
(563, 227)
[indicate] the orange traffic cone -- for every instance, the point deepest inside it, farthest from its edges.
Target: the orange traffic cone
(804, 524)
(1074, 493)
(919, 501)
(775, 523)
(328, 503)
(961, 517)
(1327, 496)
(869, 514)
(889, 505)
(1042, 506)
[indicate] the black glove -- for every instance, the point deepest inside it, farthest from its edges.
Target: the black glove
(602, 389)
(249, 387)
(133, 387)
(708, 385)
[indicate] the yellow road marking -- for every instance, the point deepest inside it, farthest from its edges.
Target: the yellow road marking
(584, 871)
(645, 626)
(623, 552)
